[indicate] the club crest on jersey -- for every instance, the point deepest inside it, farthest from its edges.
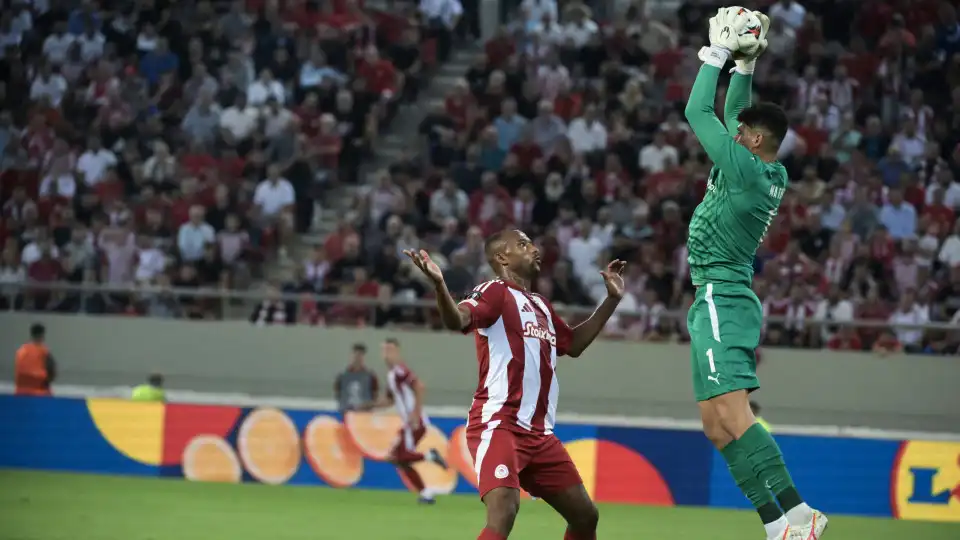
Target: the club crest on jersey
(534, 330)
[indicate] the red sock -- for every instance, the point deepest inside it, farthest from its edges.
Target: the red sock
(490, 534)
(570, 535)
(413, 477)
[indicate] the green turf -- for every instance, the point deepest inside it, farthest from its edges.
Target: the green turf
(49, 506)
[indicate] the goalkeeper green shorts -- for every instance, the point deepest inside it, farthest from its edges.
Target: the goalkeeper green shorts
(724, 322)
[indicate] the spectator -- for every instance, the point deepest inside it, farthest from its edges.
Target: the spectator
(910, 143)
(265, 87)
(151, 261)
(448, 202)
(273, 310)
(238, 123)
(441, 17)
(833, 308)
(509, 125)
(950, 251)
(315, 73)
(94, 162)
(790, 12)
(56, 45)
(275, 194)
(547, 128)
(899, 216)
(48, 84)
(587, 133)
(658, 155)
(202, 122)
(157, 60)
(194, 235)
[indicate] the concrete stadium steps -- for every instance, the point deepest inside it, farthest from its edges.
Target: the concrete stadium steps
(390, 146)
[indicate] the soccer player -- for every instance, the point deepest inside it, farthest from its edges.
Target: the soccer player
(405, 393)
(743, 194)
(510, 425)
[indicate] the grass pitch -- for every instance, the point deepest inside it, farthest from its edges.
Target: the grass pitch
(55, 506)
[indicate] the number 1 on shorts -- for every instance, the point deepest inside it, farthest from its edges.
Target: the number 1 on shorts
(713, 367)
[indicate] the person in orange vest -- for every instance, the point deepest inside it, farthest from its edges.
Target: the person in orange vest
(35, 368)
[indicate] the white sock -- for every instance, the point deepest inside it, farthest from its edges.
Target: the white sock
(426, 493)
(776, 528)
(799, 515)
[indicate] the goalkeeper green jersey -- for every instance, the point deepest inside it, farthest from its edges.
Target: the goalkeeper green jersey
(743, 192)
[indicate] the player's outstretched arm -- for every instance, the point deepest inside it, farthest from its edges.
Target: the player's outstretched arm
(740, 91)
(739, 95)
(587, 331)
(700, 112)
(452, 316)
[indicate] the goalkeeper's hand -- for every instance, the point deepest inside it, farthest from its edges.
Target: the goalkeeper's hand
(724, 38)
(747, 64)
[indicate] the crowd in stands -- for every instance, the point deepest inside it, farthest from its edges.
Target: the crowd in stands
(569, 127)
(155, 142)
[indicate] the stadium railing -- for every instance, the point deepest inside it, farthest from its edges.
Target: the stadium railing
(15, 292)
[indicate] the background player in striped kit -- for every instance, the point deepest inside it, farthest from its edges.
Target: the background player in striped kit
(405, 392)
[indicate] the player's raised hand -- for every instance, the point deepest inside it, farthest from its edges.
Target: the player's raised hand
(725, 29)
(613, 278)
(425, 264)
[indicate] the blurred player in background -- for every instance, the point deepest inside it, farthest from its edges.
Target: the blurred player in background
(405, 392)
(510, 426)
(743, 195)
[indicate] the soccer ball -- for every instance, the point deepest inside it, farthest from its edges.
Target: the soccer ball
(748, 32)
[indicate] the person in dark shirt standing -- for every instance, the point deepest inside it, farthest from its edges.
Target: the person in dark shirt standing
(406, 58)
(357, 387)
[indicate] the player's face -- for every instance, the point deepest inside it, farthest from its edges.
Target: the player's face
(523, 254)
(389, 351)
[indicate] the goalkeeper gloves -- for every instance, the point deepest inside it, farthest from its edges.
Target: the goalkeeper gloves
(746, 65)
(724, 40)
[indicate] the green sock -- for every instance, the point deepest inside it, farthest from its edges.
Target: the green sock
(766, 460)
(749, 484)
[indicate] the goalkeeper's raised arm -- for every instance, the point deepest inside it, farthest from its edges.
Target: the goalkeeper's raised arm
(729, 32)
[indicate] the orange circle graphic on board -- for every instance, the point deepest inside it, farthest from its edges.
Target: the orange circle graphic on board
(208, 458)
(437, 479)
(373, 433)
(269, 446)
(336, 463)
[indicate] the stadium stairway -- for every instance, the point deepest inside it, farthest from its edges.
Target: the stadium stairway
(389, 147)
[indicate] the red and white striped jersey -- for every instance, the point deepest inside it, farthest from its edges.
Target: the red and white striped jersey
(400, 382)
(519, 337)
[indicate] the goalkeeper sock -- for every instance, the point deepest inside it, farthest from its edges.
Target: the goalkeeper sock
(765, 458)
(749, 484)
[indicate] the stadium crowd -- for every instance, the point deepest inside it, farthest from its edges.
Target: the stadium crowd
(570, 128)
(182, 143)
(211, 143)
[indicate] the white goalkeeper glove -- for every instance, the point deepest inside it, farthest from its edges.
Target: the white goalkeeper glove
(724, 37)
(747, 64)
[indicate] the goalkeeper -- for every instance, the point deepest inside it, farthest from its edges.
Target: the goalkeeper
(744, 190)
